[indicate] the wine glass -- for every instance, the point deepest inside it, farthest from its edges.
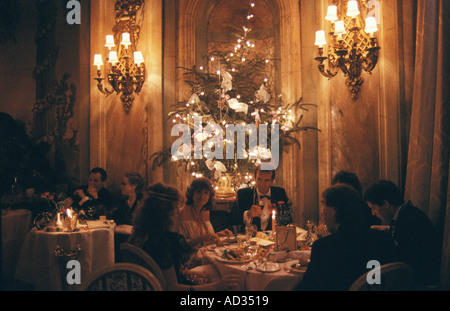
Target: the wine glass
(242, 241)
(251, 230)
(252, 250)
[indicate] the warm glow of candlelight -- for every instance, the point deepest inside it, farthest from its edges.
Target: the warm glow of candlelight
(58, 221)
(126, 39)
(371, 25)
(320, 38)
(113, 57)
(98, 61)
(332, 13)
(352, 8)
(138, 58)
(273, 220)
(110, 42)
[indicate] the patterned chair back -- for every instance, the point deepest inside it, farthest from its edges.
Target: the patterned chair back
(124, 277)
(134, 254)
(396, 276)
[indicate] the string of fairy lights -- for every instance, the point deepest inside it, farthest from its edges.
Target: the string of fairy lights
(233, 87)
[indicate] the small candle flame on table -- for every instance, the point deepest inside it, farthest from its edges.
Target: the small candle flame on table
(58, 221)
(273, 220)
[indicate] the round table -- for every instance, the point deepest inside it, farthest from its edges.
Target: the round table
(254, 280)
(40, 267)
(15, 226)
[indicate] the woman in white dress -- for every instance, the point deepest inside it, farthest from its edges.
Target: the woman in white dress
(195, 222)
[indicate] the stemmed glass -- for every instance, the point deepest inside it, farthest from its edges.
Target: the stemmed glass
(251, 230)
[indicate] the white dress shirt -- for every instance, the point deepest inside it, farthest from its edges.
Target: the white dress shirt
(265, 213)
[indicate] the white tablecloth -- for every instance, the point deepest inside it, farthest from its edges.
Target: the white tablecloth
(15, 226)
(253, 280)
(39, 266)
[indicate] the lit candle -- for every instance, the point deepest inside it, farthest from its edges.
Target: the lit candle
(138, 58)
(58, 221)
(339, 29)
(113, 57)
(332, 13)
(320, 38)
(126, 39)
(273, 220)
(352, 8)
(371, 25)
(98, 61)
(109, 42)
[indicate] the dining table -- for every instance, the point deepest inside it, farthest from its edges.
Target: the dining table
(269, 270)
(45, 254)
(15, 225)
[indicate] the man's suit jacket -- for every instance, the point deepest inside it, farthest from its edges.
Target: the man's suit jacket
(339, 259)
(105, 198)
(247, 197)
(418, 244)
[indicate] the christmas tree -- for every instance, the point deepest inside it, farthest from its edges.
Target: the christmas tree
(235, 88)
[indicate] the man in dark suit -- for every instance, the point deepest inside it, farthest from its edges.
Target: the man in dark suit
(416, 238)
(340, 258)
(94, 196)
(253, 205)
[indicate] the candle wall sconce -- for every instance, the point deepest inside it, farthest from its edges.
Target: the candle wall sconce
(126, 72)
(353, 45)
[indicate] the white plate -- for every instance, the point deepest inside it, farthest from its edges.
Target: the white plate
(233, 262)
(268, 267)
(293, 267)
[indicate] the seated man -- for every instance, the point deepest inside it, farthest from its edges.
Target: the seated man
(253, 205)
(339, 259)
(94, 196)
(416, 238)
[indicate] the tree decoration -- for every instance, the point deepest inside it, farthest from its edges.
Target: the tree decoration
(234, 88)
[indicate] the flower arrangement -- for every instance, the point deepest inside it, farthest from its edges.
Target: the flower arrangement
(283, 213)
(55, 202)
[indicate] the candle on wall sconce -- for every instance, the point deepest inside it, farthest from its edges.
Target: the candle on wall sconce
(126, 74)
(352, 47)
(110, 42)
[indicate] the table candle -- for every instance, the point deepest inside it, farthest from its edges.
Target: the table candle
(273, 221)
(58, 221)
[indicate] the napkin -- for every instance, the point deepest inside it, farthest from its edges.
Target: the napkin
(265, 242)
(124, 229)
(94, 224)
(301, 234)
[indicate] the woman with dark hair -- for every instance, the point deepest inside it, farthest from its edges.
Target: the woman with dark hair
(195, 222)
(155, 226)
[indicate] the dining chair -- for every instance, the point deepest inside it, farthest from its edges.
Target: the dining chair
(133, 254)
(396, 276)
(123, 277)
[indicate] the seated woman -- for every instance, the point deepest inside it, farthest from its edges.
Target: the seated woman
(154, 231)
(195, 222)
(131, 186)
